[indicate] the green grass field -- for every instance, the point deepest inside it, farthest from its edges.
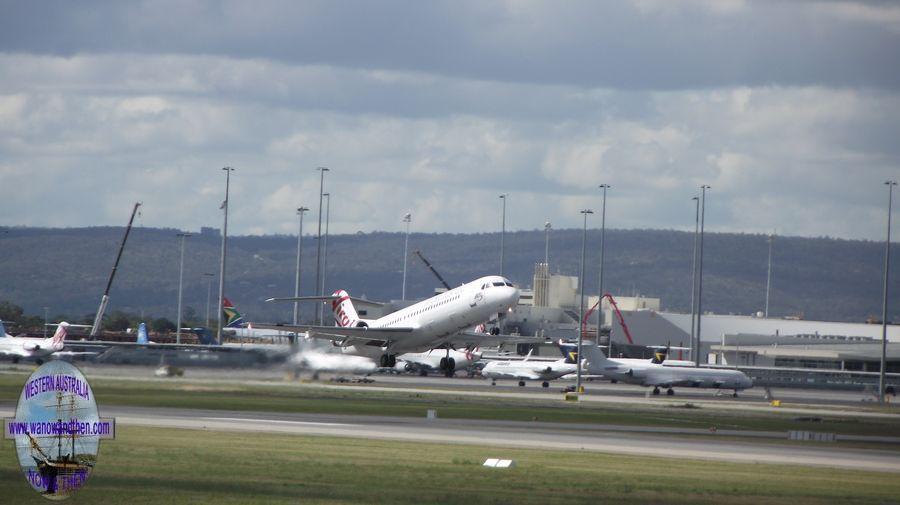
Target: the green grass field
(155, 465)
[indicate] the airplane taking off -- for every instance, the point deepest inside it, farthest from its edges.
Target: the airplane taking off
(32, 347)
(437, 360)
(531, 370)
(648, 373)
(441, 320)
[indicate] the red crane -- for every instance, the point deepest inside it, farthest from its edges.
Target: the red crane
(612, 301)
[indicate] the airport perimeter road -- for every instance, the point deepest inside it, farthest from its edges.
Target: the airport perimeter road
(512, 434)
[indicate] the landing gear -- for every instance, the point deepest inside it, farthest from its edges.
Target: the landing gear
(670, 392)
(388, 360)
(656, 391)
(545, 384)
(448, 366)
(734, 395)
(493, 382)
(15, 360)
(521, 384)
(423, 373)
(39, 361)
(495, 330)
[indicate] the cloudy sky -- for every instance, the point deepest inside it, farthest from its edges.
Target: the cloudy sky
(789, 110)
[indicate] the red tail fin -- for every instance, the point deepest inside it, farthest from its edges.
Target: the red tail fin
(60, 334)
(344, 312)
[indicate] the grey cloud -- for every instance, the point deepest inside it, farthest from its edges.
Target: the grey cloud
(586, 44)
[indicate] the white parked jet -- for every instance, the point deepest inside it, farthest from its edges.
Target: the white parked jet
(530, 370)
(647, 373)
(32, 347)
(441, 320)
(443, 360)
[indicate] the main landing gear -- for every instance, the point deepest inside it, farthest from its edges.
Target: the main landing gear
(669, 391)
(448, 366)
(521, 384)
(545, 384)
(388, 360)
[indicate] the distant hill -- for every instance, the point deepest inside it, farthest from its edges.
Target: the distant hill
(66, 269)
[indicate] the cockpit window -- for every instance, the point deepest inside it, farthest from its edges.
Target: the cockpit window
(509, 284)
(498, 284)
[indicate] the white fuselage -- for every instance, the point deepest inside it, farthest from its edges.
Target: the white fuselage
(645, 373)
(528, 370)
(28, 347)
(436, 319)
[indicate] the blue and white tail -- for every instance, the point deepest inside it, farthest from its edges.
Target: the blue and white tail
(568, 350)
(345, 314)
(142, 334)
(3, 330)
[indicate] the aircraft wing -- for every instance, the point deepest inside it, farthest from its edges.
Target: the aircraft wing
(346, 335)
(326, 298)
(106, 344)
(471, 338)
(15, 353)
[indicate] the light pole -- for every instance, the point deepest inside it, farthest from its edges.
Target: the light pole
(180, 284)
(695, 348)
(300, 211)
(209, 278)
(406, 219)
(322, 171)
(547, 228)
(600, 293)
(703, 189)
(585, 212)
(219, 321)
(884, 304)
(46, 320)
(769, 275)
(325, 243)
(502, 231)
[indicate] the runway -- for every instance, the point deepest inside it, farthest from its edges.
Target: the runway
(512, 434)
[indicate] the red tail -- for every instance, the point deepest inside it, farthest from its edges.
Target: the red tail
(344, 313)
(60, 334)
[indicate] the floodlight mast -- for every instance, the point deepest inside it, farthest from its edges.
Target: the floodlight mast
(98, 319)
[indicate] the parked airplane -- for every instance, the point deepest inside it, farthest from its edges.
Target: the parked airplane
(647, 373)
(438, 321)
(531, 370)
(31, 347)
(434, 360)
(234, 325)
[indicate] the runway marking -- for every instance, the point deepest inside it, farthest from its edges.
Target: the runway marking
(276, 421)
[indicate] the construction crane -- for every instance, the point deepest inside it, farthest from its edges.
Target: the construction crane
(621, 319)
(98, 320)
(435, 272)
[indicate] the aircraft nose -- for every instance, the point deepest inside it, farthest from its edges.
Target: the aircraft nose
(512, 296)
